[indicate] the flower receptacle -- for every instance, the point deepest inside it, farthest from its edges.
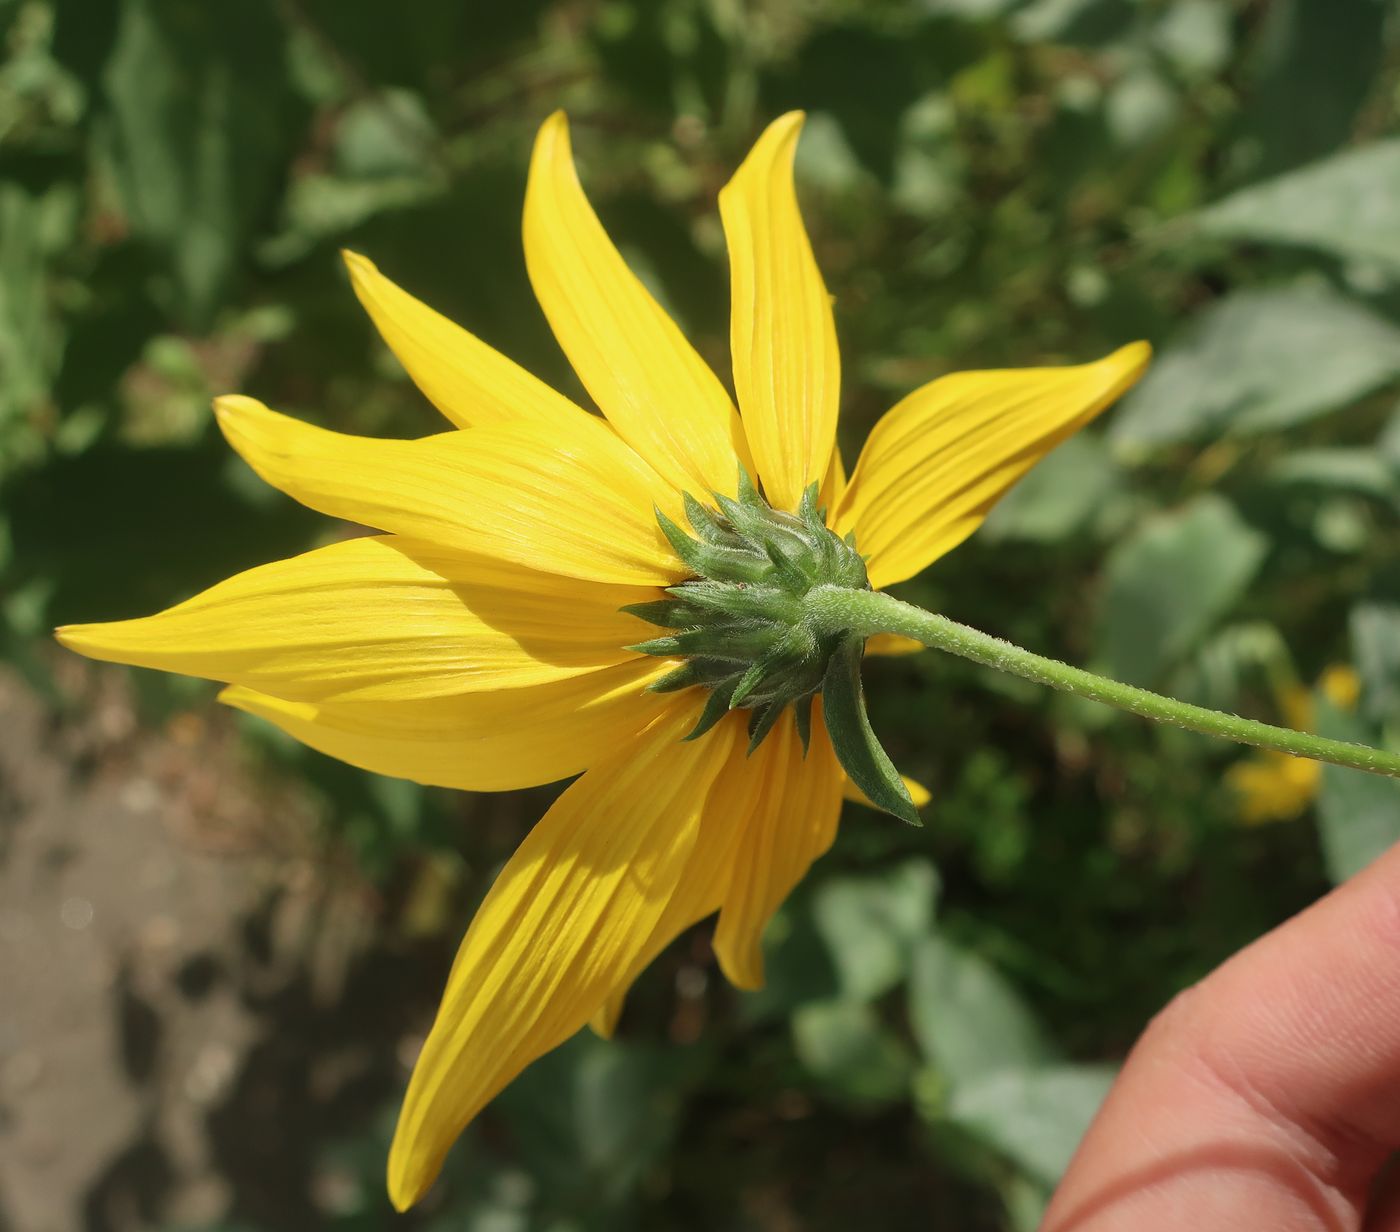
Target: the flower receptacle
(756, 625)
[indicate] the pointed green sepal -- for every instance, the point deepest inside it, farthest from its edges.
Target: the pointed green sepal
(748, 682)
(857, 749)
(813, 519)
(788, 571)
(681, 677)
(802, 713)
(661, 647)
(748, 490)
(748, 520)
(740, 601)
(706, 525)
(741, 645)
(666, 613)
(761, 722)
(716, 707)
(713, 560)
(687, 548)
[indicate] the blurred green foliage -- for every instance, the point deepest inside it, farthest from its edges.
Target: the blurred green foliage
(988, 182)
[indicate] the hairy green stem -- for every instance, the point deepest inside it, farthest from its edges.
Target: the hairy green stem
(868, 612)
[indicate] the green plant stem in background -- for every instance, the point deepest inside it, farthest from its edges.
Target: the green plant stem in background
(869, 612)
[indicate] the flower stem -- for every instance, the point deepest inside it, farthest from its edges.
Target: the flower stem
(867, 612)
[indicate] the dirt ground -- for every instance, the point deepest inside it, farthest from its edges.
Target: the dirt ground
(193, 999)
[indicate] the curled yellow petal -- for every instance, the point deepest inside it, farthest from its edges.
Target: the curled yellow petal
(469, 382)
(379, 619)
(568, 497)
(565, 920)
(787, 370)
(796, 803)
(645, 377)
(491, 741)
(701, 889)
(937, 462)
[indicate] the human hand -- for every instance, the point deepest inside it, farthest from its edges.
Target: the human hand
(1268, 1095)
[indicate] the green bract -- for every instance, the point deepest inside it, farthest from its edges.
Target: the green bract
(748, 630)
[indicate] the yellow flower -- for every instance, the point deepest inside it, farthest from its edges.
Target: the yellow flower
(1271, 786)
(480, 641)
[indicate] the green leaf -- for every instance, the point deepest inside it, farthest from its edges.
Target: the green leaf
(1059, 496)
(594, 1116)
(857, 749)
(1035, 1117)
(1081, 22)
(844, 1044)
(1142, 106)
(1347, 206)
(1230, 661)
(1388, 442)
(385, 159)
(872, 924)
(385, 136)
(1375, 640)
(969, 10)
(1361, 471)
(31, 337)
(1260, 360)
(967, 1019)
(1326, 54)
(1167, 584)
(1195, 36)
(1358, 814)
(197, 111)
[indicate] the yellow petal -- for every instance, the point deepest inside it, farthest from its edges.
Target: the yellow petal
(566, 918)
(701, 889)
(495, 741)
(834, 485)
(918, 793)
(469, 382)
(797, 805)
(379, 619)
(645, 377)
(787, 370)
(937, 462)
(567, 497)
(892, 644)
(605, 1018)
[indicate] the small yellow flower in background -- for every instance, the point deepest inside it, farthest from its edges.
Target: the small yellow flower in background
(1270, 786)
(486, 640)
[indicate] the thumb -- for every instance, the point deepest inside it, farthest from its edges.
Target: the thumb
(1267, 1096)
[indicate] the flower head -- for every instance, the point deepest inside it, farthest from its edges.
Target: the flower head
(533, 609)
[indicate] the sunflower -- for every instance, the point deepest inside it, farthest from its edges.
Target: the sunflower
(534, 611)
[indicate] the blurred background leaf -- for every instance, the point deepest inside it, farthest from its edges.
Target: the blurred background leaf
(196, 114)
(1167, 583)
(1359, 814)
(1344, 205)
(1261, 360)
